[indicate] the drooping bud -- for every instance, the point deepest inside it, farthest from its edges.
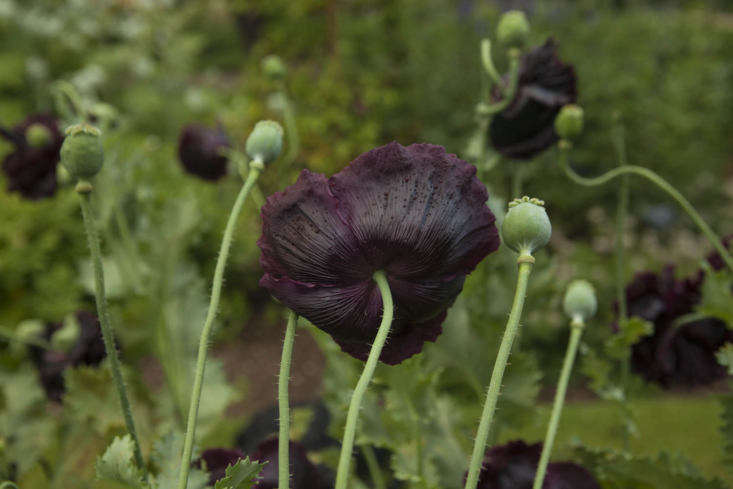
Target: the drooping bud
(569, 122)
(81, 153)
(273, 67)
(526, 227)
(513, 29)
(580, 300)
(38, 135)
(265, 142)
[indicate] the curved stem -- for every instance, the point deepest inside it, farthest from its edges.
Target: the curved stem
(512, 327)
(284, 402)
(488, 61)
(105, 323)
(509, 91)
(375, 471)
(347, 444)
(562, 387)
(226, 242)
(659, 182)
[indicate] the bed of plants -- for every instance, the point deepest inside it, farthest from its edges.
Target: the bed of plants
(392, 244)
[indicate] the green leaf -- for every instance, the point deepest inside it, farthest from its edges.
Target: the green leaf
(727, 430)
(166, 457)
(716, 295)
(630, 332)
(241, 475)
(117, 464)
(619, 470)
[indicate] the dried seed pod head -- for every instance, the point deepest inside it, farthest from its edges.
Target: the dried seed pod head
(580, 300)
(265, 142)
(569, 122)
(513, 29)
(526, 227)
(81, 153)
(273, 67)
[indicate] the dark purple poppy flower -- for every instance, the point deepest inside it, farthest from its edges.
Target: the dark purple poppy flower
(199, 149)
(416, 212)
(88, 350)
(304, 475)
(217, 460)
(526, 126)
(714, 258)
(674, 354)
(514, 465)
(31, 170)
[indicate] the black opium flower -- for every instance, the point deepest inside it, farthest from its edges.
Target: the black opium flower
(200, 151)
(714, 258)
(88, 349)
(304, 475)
(526, 126)
(217, 460)
(416, 212)
(30, 167)
(514, 465)
(678, 352)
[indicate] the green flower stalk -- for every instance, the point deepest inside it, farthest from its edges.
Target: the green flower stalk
(263, 146)
(685, 204)
(284, 403)
(82, 157)
(347, 444)
(580, 304)
(526, 228)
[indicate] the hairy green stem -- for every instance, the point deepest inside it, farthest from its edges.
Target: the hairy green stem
(562, 387)
(347, 444)
(659, 182)
(509, 91)
(105, 323)
(510, 332)
(375, 471)
(488, 62)
(255, 170)
(284, 402)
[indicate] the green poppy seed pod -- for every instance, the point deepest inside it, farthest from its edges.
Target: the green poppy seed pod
(526, 227)
(273, 67)
(265, 142)
(38, 135)
(569, 122)
(580, 300)
(81, 153)
(513, 29)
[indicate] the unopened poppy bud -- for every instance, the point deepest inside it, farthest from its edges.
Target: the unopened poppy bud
(265, 142)
(569, 122)
(81, 153)
(273, 67)
(38, 135)
(580, 300)
(513, 29)
(526, 227)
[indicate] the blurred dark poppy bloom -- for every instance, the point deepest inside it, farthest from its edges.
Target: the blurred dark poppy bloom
(677, 353)
(31, 168)
(416, 212)
(200, 151)
(217, 460)
(304, 475)
(526, 126)
(714, 258)
(87, 350)
(514, 465)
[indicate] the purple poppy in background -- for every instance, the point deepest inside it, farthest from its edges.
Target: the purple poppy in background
(88, 350)
(526, 126)
(714, 258)
(675, 354)
(217, 460)
(200, 151)
(416, 212)
(514, 464)
(304, 475)
(31, 168)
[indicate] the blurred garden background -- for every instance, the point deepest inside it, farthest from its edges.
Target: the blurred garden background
(356, 74)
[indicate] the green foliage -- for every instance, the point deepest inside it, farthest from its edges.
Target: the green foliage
(167, 459)
(241, 475)
(717, 295)
(727, 429)
(117, 464)
(618, 470)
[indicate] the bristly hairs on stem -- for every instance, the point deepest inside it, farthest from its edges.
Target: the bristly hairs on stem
(284, 403)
